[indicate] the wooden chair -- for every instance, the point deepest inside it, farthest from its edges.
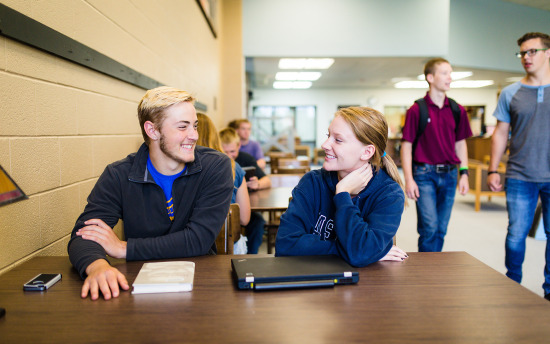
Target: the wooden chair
(274, 159)
(318, 156)
(272, 226)
(478, 181)
(292, 166)
(302, 150)
(230, 231)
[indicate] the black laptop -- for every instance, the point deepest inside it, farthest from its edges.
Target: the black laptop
(269, 273)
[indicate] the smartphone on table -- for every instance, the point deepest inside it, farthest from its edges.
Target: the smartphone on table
(41, 282)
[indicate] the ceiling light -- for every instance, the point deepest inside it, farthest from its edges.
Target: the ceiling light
(292, 63)
(301, 84)
(471, 83)
(454, 75)
(298, 76)
(289, 76)
(309, 76)
(282, 85)
(303, 63)
(411, 84)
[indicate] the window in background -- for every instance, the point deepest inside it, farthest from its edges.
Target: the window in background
(278, 123)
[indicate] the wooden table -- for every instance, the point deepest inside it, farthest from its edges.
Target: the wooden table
(447, 297)
(274, 201)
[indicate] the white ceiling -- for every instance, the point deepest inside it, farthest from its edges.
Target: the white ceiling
(364, 72)
(373, 72)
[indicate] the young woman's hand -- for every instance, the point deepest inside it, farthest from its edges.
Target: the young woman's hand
(395, 254)
(356, 180)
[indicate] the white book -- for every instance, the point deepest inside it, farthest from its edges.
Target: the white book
(164, 277)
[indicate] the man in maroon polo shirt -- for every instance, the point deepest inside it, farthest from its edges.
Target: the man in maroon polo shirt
(431, 169)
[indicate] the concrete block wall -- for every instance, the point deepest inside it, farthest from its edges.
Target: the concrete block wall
(61, 124)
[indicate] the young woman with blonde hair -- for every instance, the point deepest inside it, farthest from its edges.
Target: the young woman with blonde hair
(351, 207)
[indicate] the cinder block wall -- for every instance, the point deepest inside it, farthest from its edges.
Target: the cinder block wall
(61, 124)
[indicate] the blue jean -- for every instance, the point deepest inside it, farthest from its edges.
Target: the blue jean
(433, 207)
(255, 232)
(521, 203)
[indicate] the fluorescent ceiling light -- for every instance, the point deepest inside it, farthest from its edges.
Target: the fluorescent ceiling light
(454, 75)
(281, 85)
(411, 84)
(303, 63)
(301, 84)
(292, 63)
(309, 76)
(300, 76)
(471, 83)
(288, 76)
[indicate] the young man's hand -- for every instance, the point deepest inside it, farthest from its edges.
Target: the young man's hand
(105, 278)
(98, 231)
(411, 189)
(463, 184)
(493, 181)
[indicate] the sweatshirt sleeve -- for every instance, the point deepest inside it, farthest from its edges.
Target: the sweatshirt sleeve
(364, 237)
(295, 236)
(104, 204)
(198, 235)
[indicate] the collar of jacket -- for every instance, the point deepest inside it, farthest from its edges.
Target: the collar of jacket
(140, 174)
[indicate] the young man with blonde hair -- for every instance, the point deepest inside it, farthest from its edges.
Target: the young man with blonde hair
(524, 108)
(433, 145)
(172, 196)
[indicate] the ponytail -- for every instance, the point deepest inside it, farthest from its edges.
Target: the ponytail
(389, 166)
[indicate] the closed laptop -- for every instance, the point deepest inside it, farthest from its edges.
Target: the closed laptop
(268, 273)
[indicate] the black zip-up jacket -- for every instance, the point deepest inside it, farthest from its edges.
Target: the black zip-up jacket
(126, 191)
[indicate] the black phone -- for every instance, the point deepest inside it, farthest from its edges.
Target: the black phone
(250, 172)
(41, 282)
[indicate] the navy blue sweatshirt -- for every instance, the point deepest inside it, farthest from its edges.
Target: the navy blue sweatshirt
(126, 191)
(359, 229)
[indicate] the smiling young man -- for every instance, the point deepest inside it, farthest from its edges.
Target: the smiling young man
(172, 196)
(524, 107)
(430, 157)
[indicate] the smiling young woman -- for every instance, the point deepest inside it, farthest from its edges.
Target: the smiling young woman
(351, 207)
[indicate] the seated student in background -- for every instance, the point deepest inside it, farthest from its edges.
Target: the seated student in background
(243, 129)
(172, 196)
(230, 145)
(208, 137)
(255, 228)
(352, 206)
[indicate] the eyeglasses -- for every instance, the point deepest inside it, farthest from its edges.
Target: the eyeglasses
(530, 52)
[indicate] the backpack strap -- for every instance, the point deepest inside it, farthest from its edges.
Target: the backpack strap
(456, 112)
(422, 121)
(424, 116)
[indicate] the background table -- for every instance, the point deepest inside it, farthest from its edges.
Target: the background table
(447, 297)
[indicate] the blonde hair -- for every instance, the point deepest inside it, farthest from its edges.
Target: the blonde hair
(155, 101)
(370, 127)
(208, 136)
(228, 136)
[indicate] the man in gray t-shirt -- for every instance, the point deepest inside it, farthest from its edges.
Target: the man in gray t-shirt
(524, 107)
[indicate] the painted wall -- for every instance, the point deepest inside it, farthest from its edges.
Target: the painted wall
(483, 33)
(61, 124)
(332, 28)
